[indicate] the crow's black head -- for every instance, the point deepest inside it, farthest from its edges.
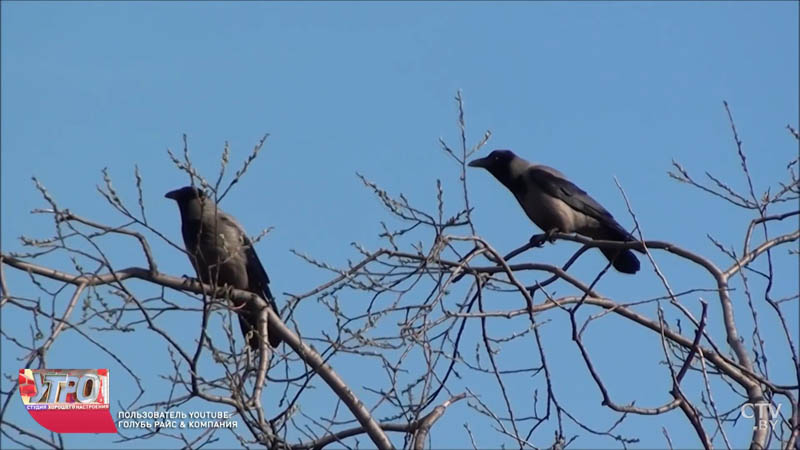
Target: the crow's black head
(185, 194)
(498, 159)
(499, 164)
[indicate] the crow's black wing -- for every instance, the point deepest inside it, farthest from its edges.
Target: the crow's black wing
(258, 280)
(553, 183)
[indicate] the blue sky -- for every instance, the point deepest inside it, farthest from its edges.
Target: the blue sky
(597, 90)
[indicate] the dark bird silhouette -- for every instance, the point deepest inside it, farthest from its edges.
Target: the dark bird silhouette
(555, 204)
(221, 253)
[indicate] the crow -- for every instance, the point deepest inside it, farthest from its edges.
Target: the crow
(222, 254)
(555, 204)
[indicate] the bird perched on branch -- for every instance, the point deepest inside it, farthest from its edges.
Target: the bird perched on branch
(555, 204)
(222, 254)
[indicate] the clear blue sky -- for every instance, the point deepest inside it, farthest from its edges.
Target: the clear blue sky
(597, 90)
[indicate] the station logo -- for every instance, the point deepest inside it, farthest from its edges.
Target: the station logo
(68, 400)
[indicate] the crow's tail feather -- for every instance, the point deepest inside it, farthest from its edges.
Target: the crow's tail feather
(622, 259)
(255, 337)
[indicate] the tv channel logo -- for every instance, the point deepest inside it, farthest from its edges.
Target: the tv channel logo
(68, 400)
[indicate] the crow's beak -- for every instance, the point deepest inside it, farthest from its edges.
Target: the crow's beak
(480, 162)
(171, 194)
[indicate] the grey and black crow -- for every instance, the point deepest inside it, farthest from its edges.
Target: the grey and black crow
(554, 203)
(222, 254)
